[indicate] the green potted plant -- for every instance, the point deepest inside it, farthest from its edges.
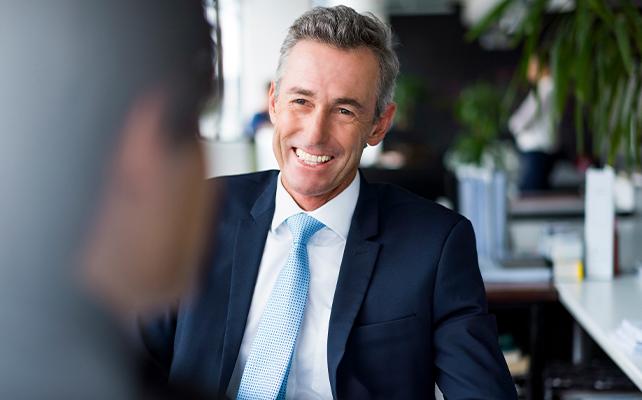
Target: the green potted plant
(478, 160)
(478, 110)
(595, 54)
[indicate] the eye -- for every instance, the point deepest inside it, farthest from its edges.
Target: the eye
(301, 102)
(346, 112)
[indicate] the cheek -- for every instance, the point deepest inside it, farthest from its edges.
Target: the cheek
(284, 128)
(353, 143)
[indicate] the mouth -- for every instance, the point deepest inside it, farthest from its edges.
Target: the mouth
(312, 159)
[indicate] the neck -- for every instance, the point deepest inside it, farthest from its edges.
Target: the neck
(313, 202)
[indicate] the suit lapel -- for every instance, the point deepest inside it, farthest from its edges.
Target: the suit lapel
(357, 266)
(251, 233)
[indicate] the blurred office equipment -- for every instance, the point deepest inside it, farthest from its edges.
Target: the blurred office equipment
(599, 225)
(483, 199)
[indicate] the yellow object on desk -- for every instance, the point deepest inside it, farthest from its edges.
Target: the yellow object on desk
(568, 271)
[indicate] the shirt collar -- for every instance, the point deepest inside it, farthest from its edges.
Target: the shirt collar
(336, 214)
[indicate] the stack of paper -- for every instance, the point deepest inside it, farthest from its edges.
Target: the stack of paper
(629, 335)
(526, 271)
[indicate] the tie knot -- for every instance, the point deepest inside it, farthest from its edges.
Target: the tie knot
(303, 227)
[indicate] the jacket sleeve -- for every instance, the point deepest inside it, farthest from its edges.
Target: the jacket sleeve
(467, 356)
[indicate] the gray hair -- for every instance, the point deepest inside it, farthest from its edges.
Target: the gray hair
(344, 28)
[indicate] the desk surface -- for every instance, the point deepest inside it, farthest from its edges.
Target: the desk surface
(600, 307)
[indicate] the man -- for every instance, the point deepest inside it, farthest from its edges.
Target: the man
(103, 203)
(322, 285)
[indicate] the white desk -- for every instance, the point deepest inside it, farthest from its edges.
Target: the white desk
(600, 307)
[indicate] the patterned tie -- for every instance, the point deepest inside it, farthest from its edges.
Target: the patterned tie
(267, 368)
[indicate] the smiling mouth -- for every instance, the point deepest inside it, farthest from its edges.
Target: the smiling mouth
(311, 159)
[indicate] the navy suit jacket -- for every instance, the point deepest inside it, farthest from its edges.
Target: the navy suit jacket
(409, 309)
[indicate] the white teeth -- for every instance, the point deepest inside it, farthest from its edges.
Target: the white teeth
(310, 158)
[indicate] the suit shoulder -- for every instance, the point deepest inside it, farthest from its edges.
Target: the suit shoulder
(242, 190)
(400, 203)
(249, 180)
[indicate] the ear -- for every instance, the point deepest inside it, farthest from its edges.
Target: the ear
(272, 102)
(382, 125)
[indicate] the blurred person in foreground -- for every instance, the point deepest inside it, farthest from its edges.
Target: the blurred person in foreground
(103, 207)
(323, 285)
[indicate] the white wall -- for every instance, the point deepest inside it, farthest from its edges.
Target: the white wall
(265, 24)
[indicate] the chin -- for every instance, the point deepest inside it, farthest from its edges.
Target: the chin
(310, 191)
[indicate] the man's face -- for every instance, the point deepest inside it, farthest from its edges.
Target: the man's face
(323, 116)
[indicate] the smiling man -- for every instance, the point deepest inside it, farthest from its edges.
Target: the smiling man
(322, 285)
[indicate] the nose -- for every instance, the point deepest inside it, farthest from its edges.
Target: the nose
(317, 128)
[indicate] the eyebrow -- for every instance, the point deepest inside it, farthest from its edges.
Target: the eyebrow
(349, 101)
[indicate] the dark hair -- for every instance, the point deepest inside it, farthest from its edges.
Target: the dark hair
(169, 43)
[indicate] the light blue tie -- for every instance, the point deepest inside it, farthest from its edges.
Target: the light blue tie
(267, 368)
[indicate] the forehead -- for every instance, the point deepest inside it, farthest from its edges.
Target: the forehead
(331, 71)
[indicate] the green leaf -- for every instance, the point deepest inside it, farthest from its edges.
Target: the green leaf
(638, 128)
(614, 127)
(638, 110)
(583, 64)
(600, 120)
(488, 20)
(629, 94)
(561, 61)
(532, 26)
(615, 104)
(600, 8)
(623, 43)
(614, 146)
(630, 148)
(579, 127)
(635, 21)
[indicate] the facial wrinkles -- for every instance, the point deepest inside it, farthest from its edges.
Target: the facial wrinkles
(332, 119)
(311, 122)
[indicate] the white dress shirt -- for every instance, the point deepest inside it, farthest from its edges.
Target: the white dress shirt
(309, 378)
